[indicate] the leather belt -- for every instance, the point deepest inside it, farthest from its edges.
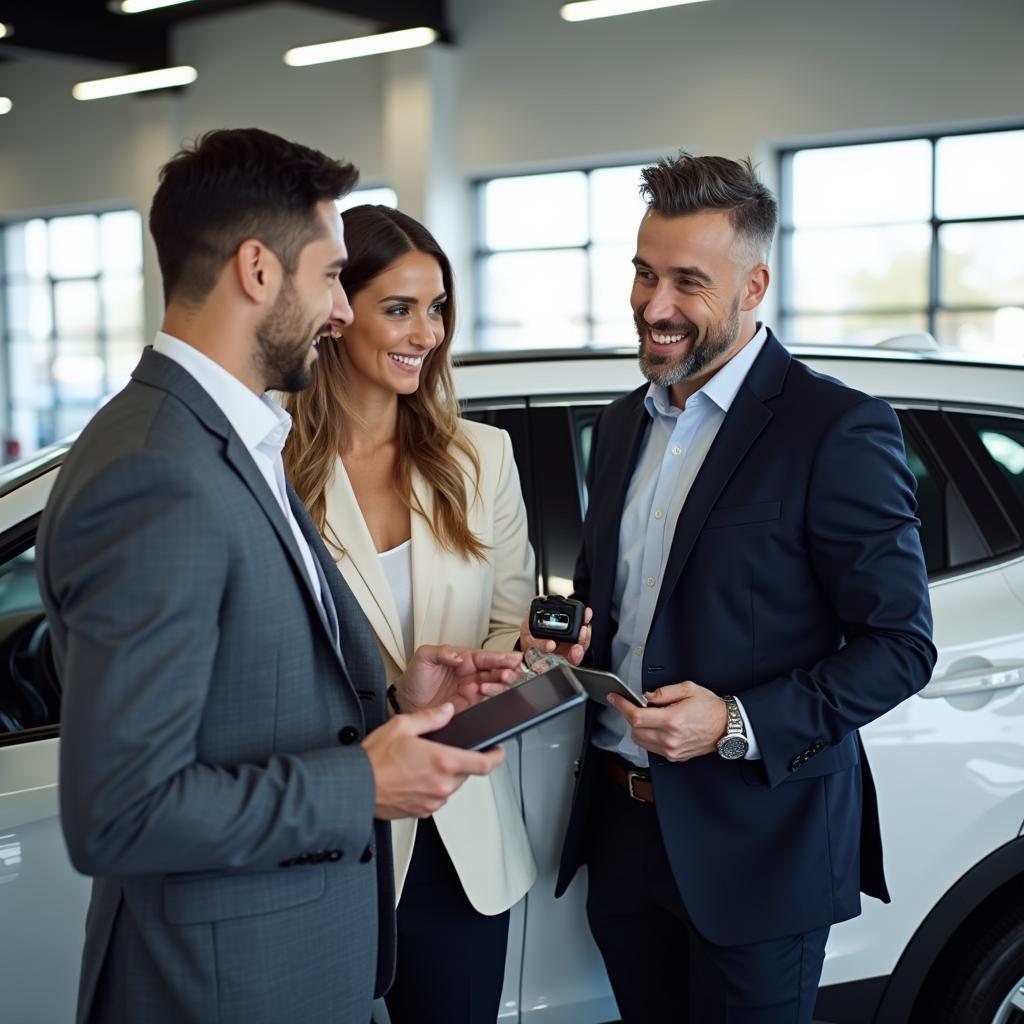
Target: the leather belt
(635, 781)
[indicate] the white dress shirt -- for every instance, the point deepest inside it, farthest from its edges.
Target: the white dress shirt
(670, 457)
(260, 422)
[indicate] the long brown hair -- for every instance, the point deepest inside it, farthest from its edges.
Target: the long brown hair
(428, 432)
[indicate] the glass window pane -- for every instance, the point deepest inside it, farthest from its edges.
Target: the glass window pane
(861, 329)
(122, 357)
(542, 294)
(78, 370)
(71, 419)
(615, 204)
(121, 241)
(615, 333)
(993, 335)
(931, 503)
(369, 197)
(25, 246)
(860, 268)
(612, 280)
(982, 264)
(979, 175)
(881, 183)
(122, 303)
(1004, 441)
(27, 309)
(74, 246)
(78, 307)
(535, 210)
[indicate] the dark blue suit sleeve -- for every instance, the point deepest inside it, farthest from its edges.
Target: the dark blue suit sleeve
(865, 550)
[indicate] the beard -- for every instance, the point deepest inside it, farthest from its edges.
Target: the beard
(284, 338)
(664, 370)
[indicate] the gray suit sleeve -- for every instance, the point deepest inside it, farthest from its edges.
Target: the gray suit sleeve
(139, 565)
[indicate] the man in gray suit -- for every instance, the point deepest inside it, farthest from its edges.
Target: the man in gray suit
(227, 760)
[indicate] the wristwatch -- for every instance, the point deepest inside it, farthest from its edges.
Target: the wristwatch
(734, 744)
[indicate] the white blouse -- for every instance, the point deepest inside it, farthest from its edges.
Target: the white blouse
(397, 566)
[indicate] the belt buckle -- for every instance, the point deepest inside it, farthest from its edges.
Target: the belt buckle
(632, 777)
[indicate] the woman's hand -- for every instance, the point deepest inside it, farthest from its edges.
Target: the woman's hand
(440, 674)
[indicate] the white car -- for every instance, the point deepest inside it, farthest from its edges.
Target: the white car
(948, 763)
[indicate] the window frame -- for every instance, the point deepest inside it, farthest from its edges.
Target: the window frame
(481, 251)
(787, 312)
(48, 417)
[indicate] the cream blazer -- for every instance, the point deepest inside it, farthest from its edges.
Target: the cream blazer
(468, 603)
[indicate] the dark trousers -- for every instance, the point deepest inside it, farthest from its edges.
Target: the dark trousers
(661, 969)
(451, 958)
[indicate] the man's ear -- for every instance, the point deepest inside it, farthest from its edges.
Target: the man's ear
(756, 287)
(257, 270)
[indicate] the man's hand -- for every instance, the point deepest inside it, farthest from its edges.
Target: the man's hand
(445, 675)
(680, 721)
(573, 653)
(414, 777)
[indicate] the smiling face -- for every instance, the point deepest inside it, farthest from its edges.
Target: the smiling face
(398, 321)
(310, 303)
(694, 295)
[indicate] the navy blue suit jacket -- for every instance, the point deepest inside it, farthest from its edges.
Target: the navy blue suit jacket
(795, 580)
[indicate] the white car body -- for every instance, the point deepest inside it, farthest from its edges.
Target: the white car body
(948, 763)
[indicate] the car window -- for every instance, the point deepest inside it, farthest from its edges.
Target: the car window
(29, 690)
(930, 508)
(1004, 442)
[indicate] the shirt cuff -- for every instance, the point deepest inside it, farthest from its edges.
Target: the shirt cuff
(753, 750)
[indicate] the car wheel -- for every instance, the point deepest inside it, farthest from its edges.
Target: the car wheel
(984, 984)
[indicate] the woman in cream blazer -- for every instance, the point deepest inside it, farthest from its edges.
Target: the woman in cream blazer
(424, 514)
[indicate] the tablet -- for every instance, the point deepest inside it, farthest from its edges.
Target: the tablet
(599, 684)
(499, 718)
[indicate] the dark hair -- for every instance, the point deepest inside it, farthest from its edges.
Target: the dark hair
(234, 184)
(683, 184)
(428, 434)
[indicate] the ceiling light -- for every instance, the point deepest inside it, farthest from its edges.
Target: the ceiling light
(585, 10)
(361, 46)
(138, 6)
(5, 30)
(164, 78)
(5, 105)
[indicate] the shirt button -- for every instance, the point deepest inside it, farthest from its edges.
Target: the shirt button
(638, 651)
(658, 514)
(650, 581)
(677, 450)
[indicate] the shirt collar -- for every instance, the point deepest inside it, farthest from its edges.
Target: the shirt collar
(720, 389)
(257, 419)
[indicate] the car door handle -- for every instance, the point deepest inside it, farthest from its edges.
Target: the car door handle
(975, 679)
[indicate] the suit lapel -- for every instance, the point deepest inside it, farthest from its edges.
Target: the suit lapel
(747, 417)
(360, 564)
(157, 370)
(426, 609)
(611, 482)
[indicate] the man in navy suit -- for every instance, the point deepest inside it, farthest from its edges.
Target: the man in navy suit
(752, 556)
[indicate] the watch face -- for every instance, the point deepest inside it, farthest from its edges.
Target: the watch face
(732, 747)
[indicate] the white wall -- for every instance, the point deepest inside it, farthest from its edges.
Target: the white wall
(521, 89)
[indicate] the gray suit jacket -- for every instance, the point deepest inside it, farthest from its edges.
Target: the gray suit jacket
(212, 778)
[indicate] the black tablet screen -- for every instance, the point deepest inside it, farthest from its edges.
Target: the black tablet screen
(499, 718)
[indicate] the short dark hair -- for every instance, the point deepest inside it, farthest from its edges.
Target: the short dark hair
(234, 184)
(683, 184)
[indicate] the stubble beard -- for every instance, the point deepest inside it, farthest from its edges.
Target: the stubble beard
(284, 338)
(665, 371)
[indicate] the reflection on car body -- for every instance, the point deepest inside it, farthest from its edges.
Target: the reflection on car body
(949, 763)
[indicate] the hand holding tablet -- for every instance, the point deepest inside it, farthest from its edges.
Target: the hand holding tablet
(557, 688)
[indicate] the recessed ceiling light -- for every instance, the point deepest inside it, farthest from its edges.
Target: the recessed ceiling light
(121, 85)
(585, 10)
(140, 6)
(5, 29)
(5, 105)
(360, 46)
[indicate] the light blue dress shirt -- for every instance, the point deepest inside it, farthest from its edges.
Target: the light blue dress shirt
(671, 455)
